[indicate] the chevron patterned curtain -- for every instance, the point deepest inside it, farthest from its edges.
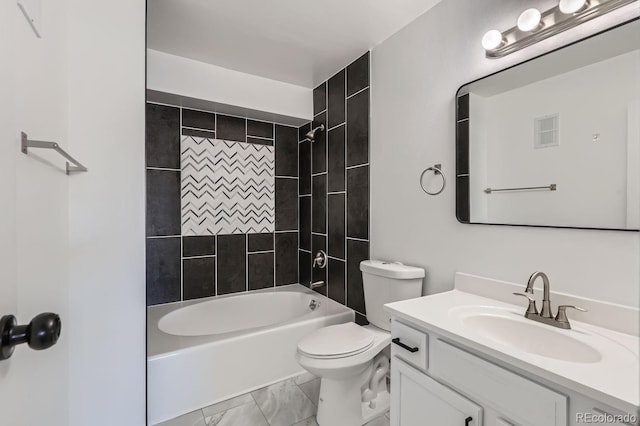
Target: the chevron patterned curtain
(226, 187)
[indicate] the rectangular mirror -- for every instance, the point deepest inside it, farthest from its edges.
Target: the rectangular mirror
(555, 141)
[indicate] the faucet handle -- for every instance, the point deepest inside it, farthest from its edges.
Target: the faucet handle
(531, 309)
(561, 316)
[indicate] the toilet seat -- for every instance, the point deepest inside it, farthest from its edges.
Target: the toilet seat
(336, 341)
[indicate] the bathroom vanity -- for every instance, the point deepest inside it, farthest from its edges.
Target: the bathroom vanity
(469, 357)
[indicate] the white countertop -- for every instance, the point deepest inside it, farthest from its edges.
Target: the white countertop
(613, 380)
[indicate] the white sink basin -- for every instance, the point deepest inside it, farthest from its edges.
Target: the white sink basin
(532, 338)
(510, 328)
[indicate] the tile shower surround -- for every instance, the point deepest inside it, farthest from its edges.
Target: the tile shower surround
(181, 267)
(334, 186)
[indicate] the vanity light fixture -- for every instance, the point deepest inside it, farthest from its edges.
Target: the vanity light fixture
(534, 26)
(572, 6)
(492, 40)
(530, 20)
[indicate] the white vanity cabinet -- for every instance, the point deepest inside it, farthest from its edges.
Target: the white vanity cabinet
(418, 400)
(442, 384)
(466, 353)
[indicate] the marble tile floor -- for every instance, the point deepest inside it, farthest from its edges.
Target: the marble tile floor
(291, 402)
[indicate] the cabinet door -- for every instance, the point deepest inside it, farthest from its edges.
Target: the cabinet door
(418, 400)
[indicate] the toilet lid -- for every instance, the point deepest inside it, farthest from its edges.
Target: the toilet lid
(336, 340)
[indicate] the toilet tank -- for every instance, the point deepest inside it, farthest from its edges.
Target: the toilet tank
(386, 282)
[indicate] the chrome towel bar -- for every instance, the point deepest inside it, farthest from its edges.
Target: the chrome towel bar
(551, 187)
(26, 144)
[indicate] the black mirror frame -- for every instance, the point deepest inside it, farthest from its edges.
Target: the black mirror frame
(463, 208)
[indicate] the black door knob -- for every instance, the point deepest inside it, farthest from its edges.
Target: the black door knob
(41, 333)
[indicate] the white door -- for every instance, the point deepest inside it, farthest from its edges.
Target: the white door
(34, 211)
(418, 400)
(74, 245)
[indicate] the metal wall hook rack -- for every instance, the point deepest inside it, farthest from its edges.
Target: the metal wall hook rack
(436, 169)
(26, 144)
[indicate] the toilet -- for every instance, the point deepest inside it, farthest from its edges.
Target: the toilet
(350, 359)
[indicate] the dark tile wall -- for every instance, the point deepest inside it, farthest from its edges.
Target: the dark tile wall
(462, 159)
(189, 267)
(333, 194)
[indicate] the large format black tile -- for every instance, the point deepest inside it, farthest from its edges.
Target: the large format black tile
(232, 263)
(163, 270)
(198, 119)
(163, 136)
(358, 202)
(463, 212)
(304, 266)
(286, 204)
(319, 146)
(201, 245)
(319, 204)
(305, 223)
(335, 164)
(462, 147)
(318, 242)
(358, 74)
(261, 129)
(320, 98)
(336, 225)
(358, 129)
(260, 242)
(260, 270)
(286, 151)
(335, 280)
(305, 167)
(302, 132)
(199, 277)
(231, 128)
(357, 251)
(361, 319)
(463, 107)
(286, 258)
(335, 98)
(163, 202)
(198, 133)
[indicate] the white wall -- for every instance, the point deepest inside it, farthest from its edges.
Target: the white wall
(633, 165)
(106, 75)
(591, 176)
(415, 75)
(8, 136)
(193, 79)
(34, 211)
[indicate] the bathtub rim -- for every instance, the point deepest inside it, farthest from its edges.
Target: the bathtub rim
(329, 309)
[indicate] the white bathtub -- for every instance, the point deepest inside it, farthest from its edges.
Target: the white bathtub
(208, 350)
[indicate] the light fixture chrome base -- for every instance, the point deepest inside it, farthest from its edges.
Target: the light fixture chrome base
(553, 22)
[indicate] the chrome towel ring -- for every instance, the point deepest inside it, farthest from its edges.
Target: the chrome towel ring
(436, 169)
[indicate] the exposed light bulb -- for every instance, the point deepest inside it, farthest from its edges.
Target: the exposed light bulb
(572, 6)
(529, 20)
(492, 39)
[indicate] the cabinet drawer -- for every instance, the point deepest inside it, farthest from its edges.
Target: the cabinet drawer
(409, 344)
(522, 400)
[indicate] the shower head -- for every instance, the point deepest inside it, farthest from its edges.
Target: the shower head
(311, 135)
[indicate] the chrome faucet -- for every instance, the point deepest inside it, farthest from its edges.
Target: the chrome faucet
(317, 284)
(546, 303)
(545, 316)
